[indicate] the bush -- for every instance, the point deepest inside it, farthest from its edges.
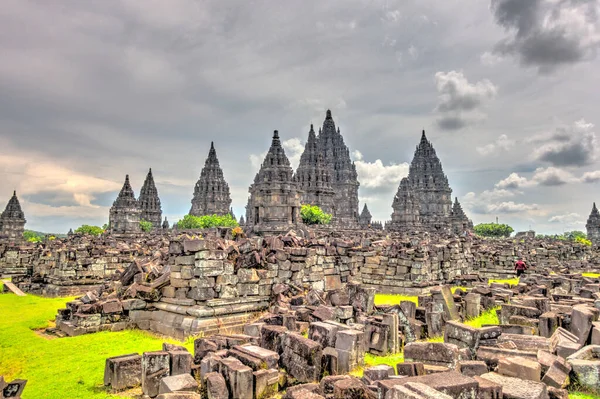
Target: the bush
(312, 214)
(237, 232)
(583, 240)
(493, 230)
(32, 236)
(206, 222)
(145, 226)
(91, 230)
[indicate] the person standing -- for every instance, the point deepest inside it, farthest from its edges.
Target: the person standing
(520, 267)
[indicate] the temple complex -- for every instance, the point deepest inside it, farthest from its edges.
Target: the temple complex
(314, 178)
(124, 216)
(423, 199)
(344, 179)
(593, 226)
(211, 193)
(150, 203)
(364, 220)
(274, 203)
(12, 220)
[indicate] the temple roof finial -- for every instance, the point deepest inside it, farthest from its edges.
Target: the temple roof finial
(212, 145)
(275, 134)
(328, 115)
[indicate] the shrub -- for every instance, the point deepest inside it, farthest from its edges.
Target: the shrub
(237, 231)
(207, 221)
(32, 236)
(91, 230)
(493, 230)
(145, 225)
(312, 214)
(583, 240)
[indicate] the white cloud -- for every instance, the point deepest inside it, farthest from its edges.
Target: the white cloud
(293, 150)
(567, 219)
(574, 145)
(591, 177)
(494, 201)
(502, 143)
(550, 176)
(513, 181)
(490, 59)
(376, 174)
(461, 103)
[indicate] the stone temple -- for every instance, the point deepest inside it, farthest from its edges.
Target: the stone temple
(150, 203)
(314, 177)
(12, 220)
(344, 178)
(274, 203)
(424, 198)
(211, 193)
(125, 213)
(593, 226)
(364, 220)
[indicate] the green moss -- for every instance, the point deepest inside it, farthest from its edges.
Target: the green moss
(393, 299)
(590, 274)
(62, 367)
(510, 281)
(487, 317)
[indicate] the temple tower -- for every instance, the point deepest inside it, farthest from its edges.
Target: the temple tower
(165, 224)
(124, 216)
(274, 203)
(428, 184)
(314, 177)
(344, 178)
(12, 220)
(211, 193)
(365, 217)
(150, 203)
(406, 215)
(593, 226)
(459, 220)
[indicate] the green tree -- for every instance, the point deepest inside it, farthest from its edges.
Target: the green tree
(312, 214)
(32, 236)
(206, 222)
(87, 229)
(493, 230)
(145, 225)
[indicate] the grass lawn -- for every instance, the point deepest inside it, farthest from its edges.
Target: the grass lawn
(63, 367)
(510, 281)
(592, 275)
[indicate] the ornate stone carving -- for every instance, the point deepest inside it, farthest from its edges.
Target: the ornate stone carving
(150, 203)
(211, 193)
(593, 226)
(124, 216)
(460, 221)
(274, 203)
(12, 220)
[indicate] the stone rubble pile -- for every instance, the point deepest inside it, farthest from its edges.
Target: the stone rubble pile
(12, 390)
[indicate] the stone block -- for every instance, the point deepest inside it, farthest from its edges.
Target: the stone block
(461, 335)
(585, 365)
(351, 388)
(581, 323)
(123, 372)
(266, 383)
(415, 390)
(178, 383)
(449, 383)
(471, 368)
(491, 355)
(557, 375)
(255, 357)
(323, 333)
(376, 373)
(155, 366)
(488, 389)
(564, 343)
(216, 387)
(302, 358)
(271, 337)
(238, 377)
(516, 388)
(520, 367)
(253, 329)
(181, 362)
(435, 353)
(410, 369)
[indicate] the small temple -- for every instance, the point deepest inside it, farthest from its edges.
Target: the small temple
(125, 213)
(364, 220)
(274, 202)
(150, 203)
(211, 193)
(593, 226)
(12, 220)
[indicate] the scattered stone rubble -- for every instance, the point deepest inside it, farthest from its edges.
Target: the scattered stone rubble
(13, 389)
(305, 346)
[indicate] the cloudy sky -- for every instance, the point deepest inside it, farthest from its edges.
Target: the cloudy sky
(507, 91)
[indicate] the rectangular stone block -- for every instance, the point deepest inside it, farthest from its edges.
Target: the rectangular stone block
(155, 366)
(123, 372)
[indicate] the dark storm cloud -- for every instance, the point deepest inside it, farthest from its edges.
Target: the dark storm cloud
(572, 146)
(548, 33)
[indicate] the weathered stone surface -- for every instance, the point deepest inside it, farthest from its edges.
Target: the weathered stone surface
(122, 372)
(239, 378)
(155, 366)
(12, 220)
(178, 383)
(471, 368)
(520, 367)
(211, 192)
(436, 353)
(216, 387)
(516, 388)
(585, 365)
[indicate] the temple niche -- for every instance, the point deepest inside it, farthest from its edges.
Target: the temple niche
(274, 202)
(593, 226)
(344, 179)
(211, 193)
(12, 220)
(125, 213)
(424, 198)
(149, 202)
(314, 178)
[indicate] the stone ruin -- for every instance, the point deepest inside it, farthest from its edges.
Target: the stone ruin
(211, 193)
(12, 220)
(593, 226)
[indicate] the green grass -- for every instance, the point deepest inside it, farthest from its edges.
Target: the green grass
(393, 299)
(582, 395)
(63, 367)
(487, 317)
(592, 275)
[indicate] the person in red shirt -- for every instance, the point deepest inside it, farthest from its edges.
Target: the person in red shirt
(520, 267)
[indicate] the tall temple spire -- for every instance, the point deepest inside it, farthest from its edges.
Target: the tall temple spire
(365, 217)
(149, 202)
(593, 226)
(211, 193)
(344, 179)
(124, 216)
(460, 221)
(12, 220)
(274, 203)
